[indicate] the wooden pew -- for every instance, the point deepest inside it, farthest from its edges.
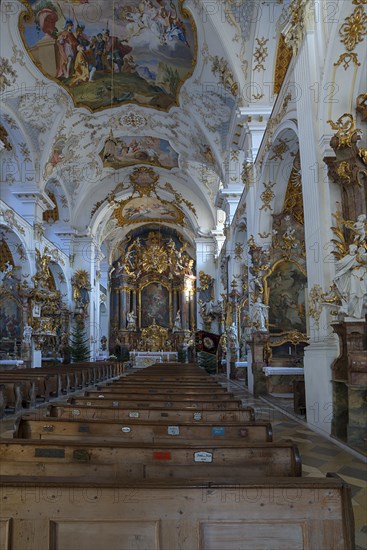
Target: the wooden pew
(16, 395)
(184, 384)
(181, 396)
(144, 461)
(174, 404)
(29, 427)
(160, 390)
(276, 513)
(177, 415)
(20, 390)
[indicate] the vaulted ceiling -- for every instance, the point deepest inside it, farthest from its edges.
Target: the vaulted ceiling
(163, 81)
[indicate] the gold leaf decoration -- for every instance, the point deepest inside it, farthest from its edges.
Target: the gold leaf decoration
(293, 202)
(354, 29)
(267, 196)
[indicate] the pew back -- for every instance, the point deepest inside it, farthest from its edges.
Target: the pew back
(276, 513)
(141, 431)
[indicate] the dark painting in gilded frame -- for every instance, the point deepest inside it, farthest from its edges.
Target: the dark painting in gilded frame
(286, 294)
(155, 305)
(10, 318)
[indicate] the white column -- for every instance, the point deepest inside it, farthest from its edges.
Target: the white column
(323, 346)
(85, 257)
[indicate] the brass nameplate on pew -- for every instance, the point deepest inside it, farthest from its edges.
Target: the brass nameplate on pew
(48, 428)
(134, 414)
(50, 453)
(101, 397)
(126, 429)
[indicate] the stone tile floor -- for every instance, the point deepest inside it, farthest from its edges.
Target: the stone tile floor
(319, 454)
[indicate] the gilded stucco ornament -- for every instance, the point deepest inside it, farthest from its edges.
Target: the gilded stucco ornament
(347, 58)
(362, 106)
(9, 218)
(4, 139)
(295, 30)
(260, 54)
(354, 28)
(205, 280)
(267, 196)
(221, 69)
(8, 75)
(348, 167)
(345, 130)
(315, 299)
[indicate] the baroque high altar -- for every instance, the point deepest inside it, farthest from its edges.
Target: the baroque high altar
(152, 293)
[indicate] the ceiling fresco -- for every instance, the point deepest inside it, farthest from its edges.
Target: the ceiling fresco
(147, 209)
(166, 80)
(128, 151)
(110, 53)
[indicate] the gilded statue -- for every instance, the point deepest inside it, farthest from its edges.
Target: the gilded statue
(43, 279)
(81, 288)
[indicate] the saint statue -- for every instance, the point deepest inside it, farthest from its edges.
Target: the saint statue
(27, 334)
(351, 281)
(131, 321)
(177, 323)
(260, 315)
(232, 335)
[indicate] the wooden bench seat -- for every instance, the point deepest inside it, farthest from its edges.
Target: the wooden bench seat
(165, 386)
(139, 430)
(277, 513)
(182, 396)
(176, 403)
(161, 390)
(30, 457)
(121, 413)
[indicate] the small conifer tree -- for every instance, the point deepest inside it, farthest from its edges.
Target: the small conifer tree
(79, 344)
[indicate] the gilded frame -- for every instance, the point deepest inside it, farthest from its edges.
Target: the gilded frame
(169, 289)
(282, 336)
